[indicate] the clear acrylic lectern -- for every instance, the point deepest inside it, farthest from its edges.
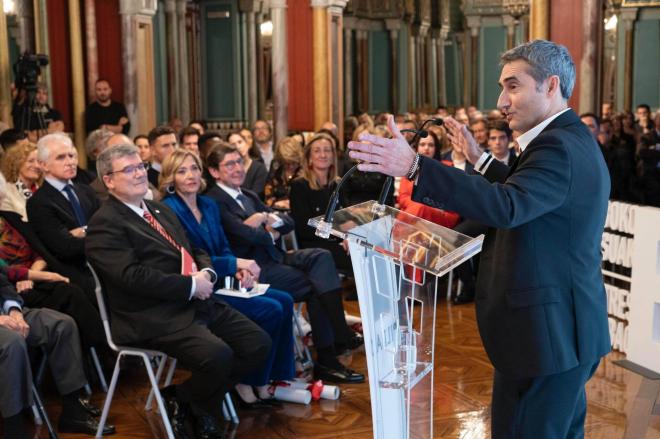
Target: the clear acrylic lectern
(398, 260)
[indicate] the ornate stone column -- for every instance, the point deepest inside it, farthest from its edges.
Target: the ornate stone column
(172, 59)
(77, 80)
(25, 17)
(251, 33)
(589, 71)
(320, 66)
(5, 71)
(336, 46)
(92, 50)
(442, 73)
(413, 83)
(137, 60)
(393, 26)
(510, 23)
(432, 68)
(474, 24)
(183, 62)
(40, 8)
(363, 69)
(348, 71)
(280, 69)
(628, 17)
(539, 26)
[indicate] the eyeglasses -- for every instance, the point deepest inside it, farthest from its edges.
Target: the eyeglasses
(130, 170)
(232, 164)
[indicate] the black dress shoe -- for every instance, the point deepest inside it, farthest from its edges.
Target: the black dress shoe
(177, 411)
(355, 341)
(258, 404)
(463, 298)
(85, 424)
(338, 374)
(89, 407)
(206, 427)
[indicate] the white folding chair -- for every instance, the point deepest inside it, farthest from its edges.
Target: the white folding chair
(146, 354)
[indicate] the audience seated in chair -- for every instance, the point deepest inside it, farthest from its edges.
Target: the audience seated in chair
(428, 146)
(21, 328)
(59, 210)
(27, 260)
(20, 168)
(283, 170)
(180, 184)
(310, 274)
(310, 194)
(255, 170)
(158, 291)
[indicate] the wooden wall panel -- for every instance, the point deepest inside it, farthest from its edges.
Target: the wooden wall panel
(60, 59)
(108, 34)
(299, 46)
(566, 29)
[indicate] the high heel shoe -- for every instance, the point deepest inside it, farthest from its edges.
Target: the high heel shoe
(258, 404)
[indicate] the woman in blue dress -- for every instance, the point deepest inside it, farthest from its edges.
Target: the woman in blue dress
(181, 183)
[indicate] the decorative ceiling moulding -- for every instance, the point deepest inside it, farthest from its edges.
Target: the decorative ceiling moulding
(376, 9)
(138, 7)
(639, 3)
(423, 13)
(484, 7)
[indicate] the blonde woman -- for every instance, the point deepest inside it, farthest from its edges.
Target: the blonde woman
(311, 193)
(181, 183)
(283, 170)
(23, 175)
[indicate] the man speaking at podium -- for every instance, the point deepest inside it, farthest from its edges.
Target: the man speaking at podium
(540, 300)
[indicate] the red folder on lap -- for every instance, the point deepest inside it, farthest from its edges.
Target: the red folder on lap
(188, 266)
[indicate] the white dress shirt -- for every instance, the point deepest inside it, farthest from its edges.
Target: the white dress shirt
(524, 140)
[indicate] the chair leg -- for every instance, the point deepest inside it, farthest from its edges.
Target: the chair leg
(99, 370)
(450, 279)
(108, 397)
(228, 405)
(38, 378)
(306, 356)
(40, 408)
(37, 415)
(159, 397)
(161, 365)
(170, 372)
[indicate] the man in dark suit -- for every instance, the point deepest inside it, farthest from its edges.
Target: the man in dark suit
(57, 333)
(309, 274)
(59, 210)
(162, 141)
(499, 138)
(540, 300)
(141, 251)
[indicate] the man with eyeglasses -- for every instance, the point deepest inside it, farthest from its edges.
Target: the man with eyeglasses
(309, 274)
(60, 209)
(156, 301)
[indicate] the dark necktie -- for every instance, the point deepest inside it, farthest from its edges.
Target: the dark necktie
(75, 204)
(248, 205)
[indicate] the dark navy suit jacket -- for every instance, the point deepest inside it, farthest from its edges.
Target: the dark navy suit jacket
(248, 242)
(540, 299)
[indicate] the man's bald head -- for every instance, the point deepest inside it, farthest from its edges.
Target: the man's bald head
(118, 139)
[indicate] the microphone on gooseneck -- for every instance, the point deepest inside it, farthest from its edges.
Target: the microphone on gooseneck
(420, 133)
(323, 229)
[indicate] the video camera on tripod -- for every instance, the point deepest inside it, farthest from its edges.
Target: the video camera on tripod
(27, 69)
